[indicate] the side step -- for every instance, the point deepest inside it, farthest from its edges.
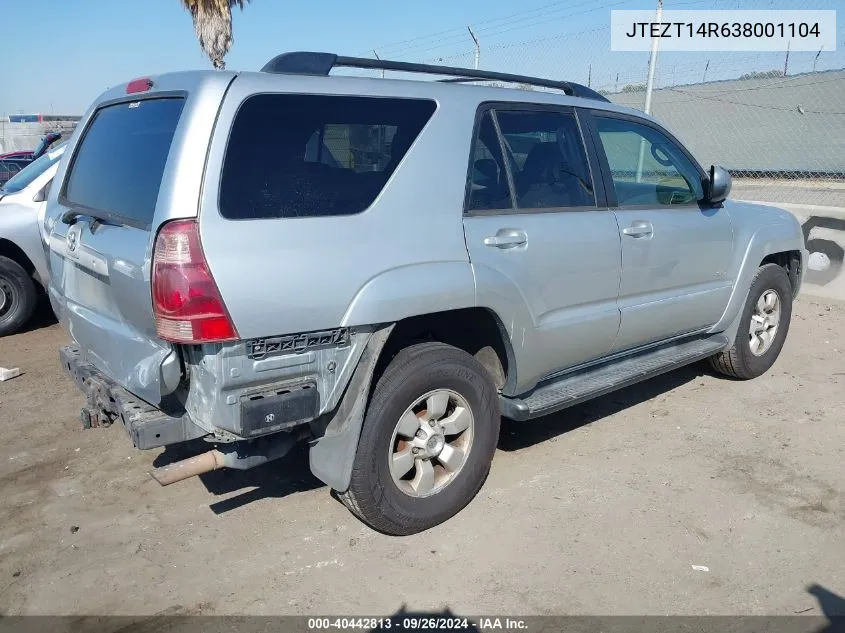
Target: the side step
(574, 388)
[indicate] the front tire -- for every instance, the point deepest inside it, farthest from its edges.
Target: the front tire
(17, 296)
(427, 442)
(763, 328)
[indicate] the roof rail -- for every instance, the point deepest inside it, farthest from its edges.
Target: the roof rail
(306, 63)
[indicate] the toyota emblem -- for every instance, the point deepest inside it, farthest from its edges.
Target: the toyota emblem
(72, 239)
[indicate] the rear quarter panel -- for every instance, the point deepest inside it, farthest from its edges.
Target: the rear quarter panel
(404, 255)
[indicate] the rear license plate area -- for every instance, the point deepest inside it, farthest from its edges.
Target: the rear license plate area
(280, 409)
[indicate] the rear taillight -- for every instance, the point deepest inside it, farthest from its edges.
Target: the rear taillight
(187, 305)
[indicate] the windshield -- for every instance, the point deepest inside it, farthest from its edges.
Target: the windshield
(25, 176)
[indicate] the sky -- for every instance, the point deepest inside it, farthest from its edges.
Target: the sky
(67, 53)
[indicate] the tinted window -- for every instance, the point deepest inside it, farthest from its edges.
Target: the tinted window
(315, 155)
(488, 186)
(32, 171)
(120, 162)
(547, 159)
(647, 168)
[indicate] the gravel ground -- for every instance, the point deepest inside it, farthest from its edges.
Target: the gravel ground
(603, 509)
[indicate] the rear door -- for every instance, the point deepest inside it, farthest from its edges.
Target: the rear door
(543, 245)
(676, 250)
(100, 242)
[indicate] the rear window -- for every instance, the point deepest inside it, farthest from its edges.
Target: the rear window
(118, 167)
(315, 155)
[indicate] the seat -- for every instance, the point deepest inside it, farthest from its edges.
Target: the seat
(548, 180)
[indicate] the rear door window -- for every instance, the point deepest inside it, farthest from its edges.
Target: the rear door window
(315, 155)
(548, 160)
(118, 167)
(488, 185)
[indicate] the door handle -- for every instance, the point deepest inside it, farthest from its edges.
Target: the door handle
(506, 239)
(639, 229)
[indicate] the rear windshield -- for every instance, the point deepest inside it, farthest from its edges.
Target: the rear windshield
(315, 155)
(118, 167)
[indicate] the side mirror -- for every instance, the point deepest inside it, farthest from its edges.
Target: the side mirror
(719, 187)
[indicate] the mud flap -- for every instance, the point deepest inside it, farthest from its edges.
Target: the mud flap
(332, 456)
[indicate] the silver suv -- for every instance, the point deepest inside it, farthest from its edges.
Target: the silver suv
(386, 267)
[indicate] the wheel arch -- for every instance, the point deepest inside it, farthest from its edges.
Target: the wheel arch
(14, 252)
(477, 331)
(778, 244)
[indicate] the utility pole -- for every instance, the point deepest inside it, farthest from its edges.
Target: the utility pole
(590, 77)
(649, 87)
(652, 61)
(786, 62)
(477, 47)
(378, 58)
(616, 88)
(704, 79)
(816, 60)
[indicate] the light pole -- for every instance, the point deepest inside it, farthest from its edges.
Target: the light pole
(652, 61)
(477, 47)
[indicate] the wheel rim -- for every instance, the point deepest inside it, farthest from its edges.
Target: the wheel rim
(431, 443)
(7, 297)
(765, 321)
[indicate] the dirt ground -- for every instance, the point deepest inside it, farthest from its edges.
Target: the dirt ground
(603, 509)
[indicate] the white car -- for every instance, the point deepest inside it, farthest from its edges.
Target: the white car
(23, 201)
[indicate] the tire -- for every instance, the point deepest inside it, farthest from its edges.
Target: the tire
(17, 296)
(427, 373)
(740, 361)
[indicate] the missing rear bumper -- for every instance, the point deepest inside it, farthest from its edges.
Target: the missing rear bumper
(107, 402)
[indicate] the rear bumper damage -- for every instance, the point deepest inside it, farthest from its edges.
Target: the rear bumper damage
(150, 427)
(107, 402)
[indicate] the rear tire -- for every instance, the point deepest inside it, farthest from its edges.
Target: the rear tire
(763, 327)
(415, 468)
(17, 296)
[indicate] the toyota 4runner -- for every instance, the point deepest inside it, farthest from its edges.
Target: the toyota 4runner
(385, 267)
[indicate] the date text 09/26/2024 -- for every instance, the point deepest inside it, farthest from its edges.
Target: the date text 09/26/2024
(407, 623)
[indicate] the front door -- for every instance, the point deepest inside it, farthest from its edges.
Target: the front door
(545, 255)
(676, 250)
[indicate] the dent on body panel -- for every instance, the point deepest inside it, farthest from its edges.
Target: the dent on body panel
(496, 292)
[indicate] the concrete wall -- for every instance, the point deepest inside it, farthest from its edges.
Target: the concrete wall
(26, 136)
(780, 124)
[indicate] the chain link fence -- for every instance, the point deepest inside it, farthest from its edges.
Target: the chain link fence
(777, 122)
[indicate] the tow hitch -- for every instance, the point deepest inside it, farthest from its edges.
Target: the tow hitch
(94, 418)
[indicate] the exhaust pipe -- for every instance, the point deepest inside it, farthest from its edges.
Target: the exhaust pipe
(241, 455)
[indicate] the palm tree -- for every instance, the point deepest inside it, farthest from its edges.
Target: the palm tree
(213, 24)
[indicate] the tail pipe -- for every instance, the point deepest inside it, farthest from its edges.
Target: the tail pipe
(238, 455)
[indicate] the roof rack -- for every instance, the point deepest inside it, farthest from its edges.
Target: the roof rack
(306, 63)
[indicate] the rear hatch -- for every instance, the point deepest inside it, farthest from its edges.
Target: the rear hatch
(115, 189)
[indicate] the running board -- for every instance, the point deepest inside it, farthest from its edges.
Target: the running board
(571, 389)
